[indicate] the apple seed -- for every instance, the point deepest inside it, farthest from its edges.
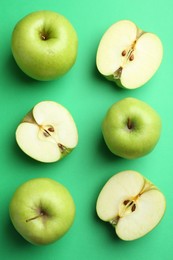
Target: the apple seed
(46, 133)
(51, 129)
(133, 207)
(131, 57)
(126, 202)
(123, 53)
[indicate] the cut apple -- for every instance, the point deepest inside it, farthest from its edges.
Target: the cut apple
(128, 55)
(132, 204)
(48, 132)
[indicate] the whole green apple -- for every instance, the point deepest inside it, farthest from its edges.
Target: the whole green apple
(131, 128)
(42, 210)
(44, 45)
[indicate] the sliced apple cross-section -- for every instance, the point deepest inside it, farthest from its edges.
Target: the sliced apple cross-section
(131, 203)
(48, 132)
(128, 55)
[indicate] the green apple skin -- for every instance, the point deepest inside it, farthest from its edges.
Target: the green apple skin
(131, 128)
(42, 210)
(116, 81)
(44, 45)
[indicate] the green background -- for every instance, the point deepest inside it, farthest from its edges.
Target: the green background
(87, 95)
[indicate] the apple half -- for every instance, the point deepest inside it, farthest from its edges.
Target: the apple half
(131, 203)
(128, 55)
(48, 132)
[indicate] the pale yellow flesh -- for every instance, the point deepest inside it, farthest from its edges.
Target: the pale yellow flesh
(52, 113)
(147, 58)
(27, 136)
(32, 140)
(149, 205)
(116, 39)
(150, 208)
(118, 188)
(147, 51)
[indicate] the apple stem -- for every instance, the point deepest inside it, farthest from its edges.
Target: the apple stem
(129, 124)
(38, 216)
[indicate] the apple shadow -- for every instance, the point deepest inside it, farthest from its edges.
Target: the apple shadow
(20, 155)
(14, 237)
(107, 229)
(18, 75)
(105, 152)
(16, 72)
(105, 82)
(25, 159)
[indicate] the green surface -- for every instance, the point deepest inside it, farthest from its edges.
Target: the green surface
(88, 96)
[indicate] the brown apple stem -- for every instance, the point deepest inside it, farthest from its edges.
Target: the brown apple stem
(129, 124)
(38, 216)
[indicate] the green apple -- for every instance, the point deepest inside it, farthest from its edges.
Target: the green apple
(131, 203)
(44, 45)
(42, 210)
(131, 128)
(48, 132)
(128, 55)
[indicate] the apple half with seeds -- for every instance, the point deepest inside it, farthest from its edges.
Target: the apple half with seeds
(47, 133)
(127, 55)
(131, 204)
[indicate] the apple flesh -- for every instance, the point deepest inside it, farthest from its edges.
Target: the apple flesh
(127, 55)
(131, 128)
(44, 45)
(132, 204)
(47, 133)
(42, 210)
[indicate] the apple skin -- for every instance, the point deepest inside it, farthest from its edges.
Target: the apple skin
(50, 205)
(131, 128)
(44, 45)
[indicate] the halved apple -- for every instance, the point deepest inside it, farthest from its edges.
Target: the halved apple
(131, 203)
(47, 133)
(128, 55)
